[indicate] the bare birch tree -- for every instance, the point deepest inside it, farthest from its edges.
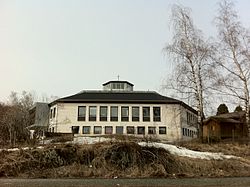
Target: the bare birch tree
(190, 53)
(233, 56)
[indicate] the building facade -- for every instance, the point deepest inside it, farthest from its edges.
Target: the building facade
(117, 109)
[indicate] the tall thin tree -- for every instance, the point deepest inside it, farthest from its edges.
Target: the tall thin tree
(190, 52)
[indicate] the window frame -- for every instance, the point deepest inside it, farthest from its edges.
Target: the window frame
(107, 128)
(157, 118)
(146, 118)
(139, 130)
(97, 132)
(134, 116)
(126, 116)
(153, 130)
(103, 118)
(130, 129)
(87, 127)
(81, 117)
(160, 130)
(92, 118)
(74, 131)
(113, 118)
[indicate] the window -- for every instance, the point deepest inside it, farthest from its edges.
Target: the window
(130, 130)
(135, 114)
(125, 113)
(151, 130)
(86, 129)
(92, 113)
(108, 130)
(53, 129)
(157, 113)
(75, 129)
(162, 130)
(97, 130)
(81, 113)
(183, 132)
(119, 130)
(51, 113)
(140, 130)
(114, 113)
(146, 113)
(103, 113)
(54, 113)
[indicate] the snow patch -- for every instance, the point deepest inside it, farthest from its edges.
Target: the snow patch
(181, 151)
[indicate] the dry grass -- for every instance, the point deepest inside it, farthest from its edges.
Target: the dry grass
(116, 159)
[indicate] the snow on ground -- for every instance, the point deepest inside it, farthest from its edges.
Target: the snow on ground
(181, 151)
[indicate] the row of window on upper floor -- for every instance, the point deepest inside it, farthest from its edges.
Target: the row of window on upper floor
(124, 114)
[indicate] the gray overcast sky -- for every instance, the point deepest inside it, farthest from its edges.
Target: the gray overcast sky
(60, 47)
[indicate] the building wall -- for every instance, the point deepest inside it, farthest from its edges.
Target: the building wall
(172, 117)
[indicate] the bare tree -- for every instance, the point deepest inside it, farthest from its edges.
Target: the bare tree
(232, 56)
(190, 53)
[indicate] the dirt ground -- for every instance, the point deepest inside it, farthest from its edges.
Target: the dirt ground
(123, 160)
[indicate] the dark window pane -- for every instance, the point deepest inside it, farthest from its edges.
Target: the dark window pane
(86, 129)
(108, 130)
(75, 129)
(54, 113)
(81, 113)
(125, 113)
(157, 113)
(151, 130)
(114, 113)
(92, 113)
(162, 130)
(119, 130)
(97, 130)
(130, 130)
(140, 130)
(103, 113)
(135, 114)
(146, 113)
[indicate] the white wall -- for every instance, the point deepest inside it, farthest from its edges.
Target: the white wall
(67, 113)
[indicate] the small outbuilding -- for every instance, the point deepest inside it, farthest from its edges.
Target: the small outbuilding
(225, 126)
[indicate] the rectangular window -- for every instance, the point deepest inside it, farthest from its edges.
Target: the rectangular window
(81, 113)
(114, 113)
(92, 113)
(146, 113)
(157, 113)
(151, 130)
(119, 130)
(140, 130)
(135, 113)
(125, 113)
(75, 129)
(108, 130)
(130, 130)
(97, 130)
(86, 129)
(162, 130)
(51, 113)
(103, 113)
(183, 132)
(53, 129)
(54, 113)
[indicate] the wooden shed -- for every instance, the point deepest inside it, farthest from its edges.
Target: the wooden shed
(224, 126)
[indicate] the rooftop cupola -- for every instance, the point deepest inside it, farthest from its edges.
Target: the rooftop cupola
(118, 86)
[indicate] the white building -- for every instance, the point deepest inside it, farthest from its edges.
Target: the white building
(117, 109)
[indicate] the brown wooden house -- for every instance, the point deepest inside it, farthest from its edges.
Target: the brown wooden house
(225, 126)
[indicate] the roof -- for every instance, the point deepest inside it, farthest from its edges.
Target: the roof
(147, 97)
(117, 82)
(233, 117)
